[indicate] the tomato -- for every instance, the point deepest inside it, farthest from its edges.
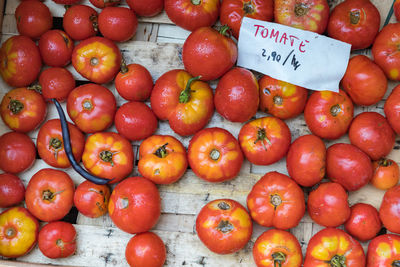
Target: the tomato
(392, 109)
(329, 114)
(264, 140)
(23, 109)
(364, 223)
(214, 155)
(104, 3)
(49, 194)
(56, 47)
(66, 2)
(192, 14)
(224, 226)
(384, 250)
(117, 23)
(33, 18)
(57, 240)
(135, 121)
(56, 83)
(334, 247)
(17, 152)
(277, 248)
(80, 22)
(182, 100)
(91, 107)
(396, 8)
(162, 159)
(371, 133)
(236, 97)
(108, 155)
(127, 212)
(145, 250)
(209, 53)
(146, 9)
(134, 82)
(310, 15)
(20, 61)
(348, 165)
(12, 190)
(18, 232)
(50, 143)
(364, 81)
(386, 174)
(389, 211)
(91, 199)
(233, 11)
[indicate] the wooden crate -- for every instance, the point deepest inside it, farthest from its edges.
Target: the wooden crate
(157, 45)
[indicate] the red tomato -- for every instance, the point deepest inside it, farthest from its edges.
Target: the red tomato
(104, 3)
(148, 8)
(135, 121)
(265, 140)
(396, 8)
(383, 251)
(192, 14)
(224, 226)
(92, 199)
(23, 109)
(17, 152)
(66, 2)
(329, 114)
(56, 83)
(49, 194)
(91, 107)
(80, 22)
(56, 48)
(364, 81)
(182, 100)
(364, 223)
(371, 133)
(276, 201)
(208, 53)
(310, 15)
(50, 144)
(117, 23)
(348, 165)
(135, 205)
(145, 250)
(12, 190)
(392, 109)
(214, 155)
(389, 211)
(386, 174)
(33, 18)
(306, 160)
(57, 240)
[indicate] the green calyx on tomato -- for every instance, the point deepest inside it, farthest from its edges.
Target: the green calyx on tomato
(184, 96)
(335, 110)
(56, 144)
(124, 68)
(48, 195)
(276, 200)
(301, 9)
(248, 8)
(107, 156)
(385, 162)
(354, 17)
(161, 152)
(261, 136)
(279, 258)
(338, 261)
(15, 106)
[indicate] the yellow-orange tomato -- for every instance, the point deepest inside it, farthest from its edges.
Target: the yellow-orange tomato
(386, 174)
(384, 250)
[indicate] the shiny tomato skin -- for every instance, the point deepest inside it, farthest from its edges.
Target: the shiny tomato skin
(276, 201)
(224, 226)
(22, 109)
(392, 109)
(56, 47)
(389, 211)
(33, 18)
(329, 114)
(12, 190)
(364, 81)
(236, 97)
(135, 205)
(264, 140)
(371, 133)
(306, 160)
(363, 223)
(49, 194)
(92, 199)
(66, 2)
(214, 155)
(56, 83)
(208, 53)
(386, 174)
(149, 8)
(79, 22)
(104, 3)
(91, 107)
(57, 240)
(383, 251)
(17, 152)
(145, 250)
(117, 23)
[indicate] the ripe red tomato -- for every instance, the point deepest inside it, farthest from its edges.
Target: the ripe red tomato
(12, 190)
(17, 152)
(306, 160)
(310, 15)
(57, 240)
(149, 8)
(127, 212)
(135, 121)
(386, 174)
(56, 47)
(33, 18)
(192, 14)
(23, 109)
(104, 3)
(396, 8)
(91, 107)
(80, 22)
(224, 226)
(20, 61)
(364, 223)
(56, 83)
(329, 114)
(348, 165)
(364, 81)
(392, 109)
(389, 211)
(117, 23)
(145, 250)
(214, 155)
(49, 194)
(66, 2)
(208, 53)
(371, 133)
(276, 201)
(92, 199)
(383, 251)
(265, 140)
(134, 82)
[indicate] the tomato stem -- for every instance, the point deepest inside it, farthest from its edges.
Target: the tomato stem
(107, 156)
(215, 154)
(278, 100)
(60, 243)
(384, 162)
(396, 263)
(124, 68)
(338, 261)
(223, 205)
(36, 87)
(196, 2)
(301, 9)
(248, 8)
(261, 136)
(87, 104)
(15, 106)
(48, 195)
(184, 96)
(162, 152)
(10, 232)
(276, 200)
(93, 19)
(94, 61)
(354, 17)
(335, 110)
(279, 258)
(225, 226)
(225, 30)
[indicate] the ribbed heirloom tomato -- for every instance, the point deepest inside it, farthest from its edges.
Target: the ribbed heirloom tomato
(389, 211)
(392, 109)
(56, 47)
(386, 174)
(57, 240)
(384, 250)
(92, 199)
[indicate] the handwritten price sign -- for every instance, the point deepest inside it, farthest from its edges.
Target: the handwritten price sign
(296, 56)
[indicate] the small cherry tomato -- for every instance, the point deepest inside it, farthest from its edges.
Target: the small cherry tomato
(12, 190)
(392, 109)
(80, 22)
(91, 199)
(389, 211)
(56, 47)
(149, 8)
(56, 83)
(104, 3)
(364, 223)
(145, 250)
(383, 251)
(117, 23)
(33, 18)
(57, 240)
(386, 174)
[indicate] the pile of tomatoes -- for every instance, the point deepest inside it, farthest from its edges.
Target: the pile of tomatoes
(185, 99)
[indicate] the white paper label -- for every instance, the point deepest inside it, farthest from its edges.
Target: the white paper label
(292, 55)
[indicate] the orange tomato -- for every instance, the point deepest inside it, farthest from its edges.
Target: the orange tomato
(386, 174)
